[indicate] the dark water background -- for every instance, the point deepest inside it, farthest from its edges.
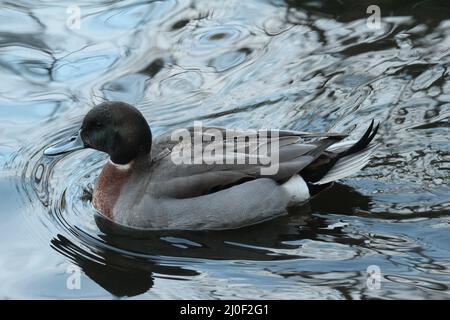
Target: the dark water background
(312, 65)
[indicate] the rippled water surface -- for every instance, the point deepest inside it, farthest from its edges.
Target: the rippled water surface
(282, 64)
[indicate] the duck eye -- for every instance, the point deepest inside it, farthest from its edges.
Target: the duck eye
(98, 124)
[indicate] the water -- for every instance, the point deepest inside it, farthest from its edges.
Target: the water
(278, 64)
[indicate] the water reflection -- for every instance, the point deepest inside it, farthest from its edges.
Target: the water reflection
(118, 274)
(122, 260)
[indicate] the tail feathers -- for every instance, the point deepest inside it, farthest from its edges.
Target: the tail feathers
(348, 165)
(362, 143)
(343, 159)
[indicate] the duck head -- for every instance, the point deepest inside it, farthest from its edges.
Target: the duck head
(114, 127)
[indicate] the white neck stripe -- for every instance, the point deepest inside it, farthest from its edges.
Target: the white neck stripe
(121, 166)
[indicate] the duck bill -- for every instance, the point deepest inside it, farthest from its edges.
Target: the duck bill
(72, 144)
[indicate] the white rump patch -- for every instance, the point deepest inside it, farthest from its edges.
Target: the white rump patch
(297, 189)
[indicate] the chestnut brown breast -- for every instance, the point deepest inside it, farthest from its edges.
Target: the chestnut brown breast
(108, 187)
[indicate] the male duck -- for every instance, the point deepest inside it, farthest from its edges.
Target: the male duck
(144, 186)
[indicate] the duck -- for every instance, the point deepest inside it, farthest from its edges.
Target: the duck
(152, 183)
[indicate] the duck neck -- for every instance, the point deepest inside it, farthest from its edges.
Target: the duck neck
(109, 186)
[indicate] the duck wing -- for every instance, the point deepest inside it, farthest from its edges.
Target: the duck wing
(220, 158)
(164, 143)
